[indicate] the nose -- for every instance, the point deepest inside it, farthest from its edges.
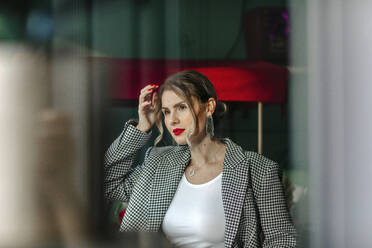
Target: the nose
(174, 118)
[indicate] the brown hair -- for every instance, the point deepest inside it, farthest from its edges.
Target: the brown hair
(188, 84)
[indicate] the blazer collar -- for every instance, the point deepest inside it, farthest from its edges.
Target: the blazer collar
(165, 183)
(235, 180)
(234, 154)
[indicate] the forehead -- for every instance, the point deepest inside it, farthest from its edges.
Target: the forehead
(169, 98)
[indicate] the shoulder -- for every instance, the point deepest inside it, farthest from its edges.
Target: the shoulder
(261, 166)
(259, 161)
(255, 160)
(258, 164)
(263, 171)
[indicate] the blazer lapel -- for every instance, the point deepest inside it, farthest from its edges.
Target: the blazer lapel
(166, 179)
(235, 178)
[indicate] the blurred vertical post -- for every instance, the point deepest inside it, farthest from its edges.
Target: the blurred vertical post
(78, 90)
(298, 122)
(59, 201)
(23, 92)
(337, 100)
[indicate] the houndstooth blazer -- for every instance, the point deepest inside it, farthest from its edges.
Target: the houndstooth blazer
(252, 193)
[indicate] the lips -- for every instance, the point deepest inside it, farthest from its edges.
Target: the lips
(178, 131)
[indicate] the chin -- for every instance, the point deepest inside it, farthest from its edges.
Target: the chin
(180, 140)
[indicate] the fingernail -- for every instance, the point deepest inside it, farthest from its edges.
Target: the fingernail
(148, 101)
(149, 89)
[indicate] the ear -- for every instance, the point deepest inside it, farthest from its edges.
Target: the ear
(210, 106)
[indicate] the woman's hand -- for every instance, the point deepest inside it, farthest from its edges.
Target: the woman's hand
(146, 111)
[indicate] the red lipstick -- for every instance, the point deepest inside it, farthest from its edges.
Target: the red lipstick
(178, 131)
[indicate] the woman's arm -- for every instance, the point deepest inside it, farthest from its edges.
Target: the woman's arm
(275, 220)
(119, 173)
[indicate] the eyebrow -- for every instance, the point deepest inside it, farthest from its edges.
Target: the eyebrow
(175, 105)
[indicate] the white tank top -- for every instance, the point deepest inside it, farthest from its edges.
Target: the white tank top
(195, 217)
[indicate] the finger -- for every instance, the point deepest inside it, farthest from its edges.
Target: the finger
(148, 96)
(145, 96)
(148, 87)
(154, 97)
(146, 93)
(145, 105)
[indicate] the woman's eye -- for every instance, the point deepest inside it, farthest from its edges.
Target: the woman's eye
(165, 112)
(182, 107)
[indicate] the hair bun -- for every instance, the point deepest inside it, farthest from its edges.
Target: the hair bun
(221, 109)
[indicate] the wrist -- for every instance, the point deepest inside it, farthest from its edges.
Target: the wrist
(142, 128)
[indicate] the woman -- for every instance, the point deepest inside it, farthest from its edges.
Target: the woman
(204, 192)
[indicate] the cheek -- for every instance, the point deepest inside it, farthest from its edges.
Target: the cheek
(188, 119)
(166, 122)
(189, 122)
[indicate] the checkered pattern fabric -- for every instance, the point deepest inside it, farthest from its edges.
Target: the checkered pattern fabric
(252, 193)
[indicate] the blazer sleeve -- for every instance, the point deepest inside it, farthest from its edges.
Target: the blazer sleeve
(276, 222)
(119, 173)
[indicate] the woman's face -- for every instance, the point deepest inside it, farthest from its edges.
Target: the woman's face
(178, 117)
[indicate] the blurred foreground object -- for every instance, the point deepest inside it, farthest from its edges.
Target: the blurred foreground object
(331, 135)
(39, 204)
(23, 92)
(55, 169)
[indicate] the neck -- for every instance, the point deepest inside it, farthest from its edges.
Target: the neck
(206, 151)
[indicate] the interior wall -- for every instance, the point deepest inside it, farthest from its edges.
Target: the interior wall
(189, 29)
(171, 29)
